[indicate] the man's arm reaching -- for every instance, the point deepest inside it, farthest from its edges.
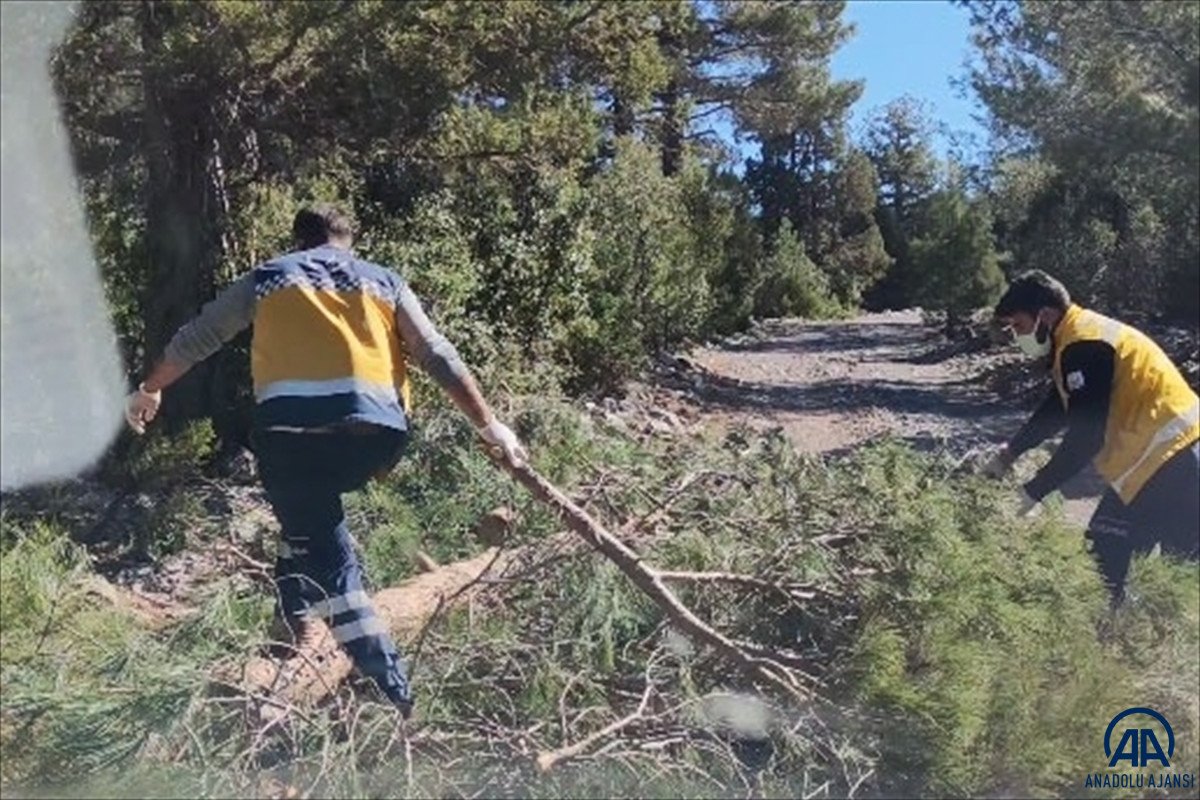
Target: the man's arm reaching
(1087, 369)
(1045, 422)
(1048, 420)
(222, 318)
(434, 354)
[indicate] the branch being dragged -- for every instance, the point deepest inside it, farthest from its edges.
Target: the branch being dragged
(409, 609)
(652, 583)
(792, 591)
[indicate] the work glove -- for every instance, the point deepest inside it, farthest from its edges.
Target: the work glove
(141, 407)
(499, 436)
(1026, 506)
(997, 465)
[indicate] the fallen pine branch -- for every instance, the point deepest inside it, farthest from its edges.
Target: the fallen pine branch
(408, 609)
(652, 583)
(797, 591)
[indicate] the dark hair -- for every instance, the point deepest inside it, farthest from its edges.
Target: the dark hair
(317, 225)
(1032, 291)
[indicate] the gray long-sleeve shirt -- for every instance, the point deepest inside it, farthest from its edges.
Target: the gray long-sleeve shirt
(232, 311)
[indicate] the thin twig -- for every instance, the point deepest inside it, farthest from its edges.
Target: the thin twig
(443, 602)
(796, 591)
(546, 760)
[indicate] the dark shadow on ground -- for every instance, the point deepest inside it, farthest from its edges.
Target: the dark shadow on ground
(946, 351)
(1087, 483)
(957, 400)
(820, 338)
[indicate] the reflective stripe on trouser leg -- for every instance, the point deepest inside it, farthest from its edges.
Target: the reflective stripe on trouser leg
(364, 637)
(304, 487)
(347, 610)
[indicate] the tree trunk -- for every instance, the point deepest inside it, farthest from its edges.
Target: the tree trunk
(672, 130)
(186, 212)
(672, 124)
(622, 115)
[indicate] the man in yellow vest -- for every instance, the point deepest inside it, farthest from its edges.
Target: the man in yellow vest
(1126, 408)
(329, 360)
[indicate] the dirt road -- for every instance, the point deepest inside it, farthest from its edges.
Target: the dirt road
(832, 386)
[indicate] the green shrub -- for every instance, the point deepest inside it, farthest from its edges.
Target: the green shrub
(159, 459)
(175, 519)
(963, 651)
(792, 285)
(956, 261)
(38, 574)
(981, 638)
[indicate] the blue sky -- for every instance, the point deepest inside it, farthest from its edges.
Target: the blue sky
(910, 47)
(900, 47)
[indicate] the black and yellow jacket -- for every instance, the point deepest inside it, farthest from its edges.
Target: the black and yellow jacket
(333, 338)
(1125, 404)
(325, 346)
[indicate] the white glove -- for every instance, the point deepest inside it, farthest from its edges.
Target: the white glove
(1026, 506)
(498, 435)
(997, 465)
(141, 407)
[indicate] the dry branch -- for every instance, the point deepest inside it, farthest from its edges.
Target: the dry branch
(796, 591)
(426, 562)
(547, 760)
(652, 583)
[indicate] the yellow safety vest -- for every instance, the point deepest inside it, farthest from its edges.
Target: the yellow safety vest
(325, 335)
(1152, 414)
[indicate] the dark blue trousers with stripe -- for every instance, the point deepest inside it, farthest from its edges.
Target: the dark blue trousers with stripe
(318, 573)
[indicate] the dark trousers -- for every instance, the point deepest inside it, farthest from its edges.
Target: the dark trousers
(1166, 511)
(318, 573)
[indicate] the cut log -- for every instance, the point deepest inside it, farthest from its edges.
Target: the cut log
(426, 562)
(493, 528)
(405, 609)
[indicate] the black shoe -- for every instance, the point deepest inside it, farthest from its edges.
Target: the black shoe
(400, 697)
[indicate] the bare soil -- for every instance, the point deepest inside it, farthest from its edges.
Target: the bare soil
(833, 386)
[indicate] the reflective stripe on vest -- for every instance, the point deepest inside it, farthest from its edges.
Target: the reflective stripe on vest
(1173, 429)
(325, 327)
(1152, 414)
(383, 392)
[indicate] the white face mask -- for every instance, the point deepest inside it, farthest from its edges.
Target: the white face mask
(1031, 344)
